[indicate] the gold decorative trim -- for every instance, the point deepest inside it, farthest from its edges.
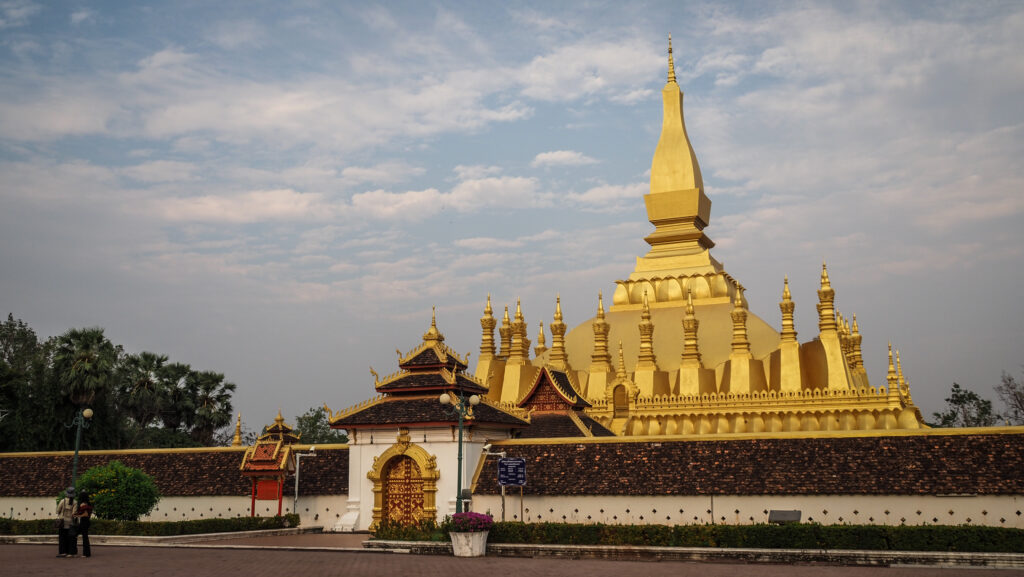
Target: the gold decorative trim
(333, 417)
(766, 435)
(428, 469)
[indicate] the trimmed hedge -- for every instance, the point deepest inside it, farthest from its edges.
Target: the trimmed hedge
(155, 528)
(971, 538)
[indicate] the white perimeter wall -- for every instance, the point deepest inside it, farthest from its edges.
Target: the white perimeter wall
(995, 511)
(316, 510)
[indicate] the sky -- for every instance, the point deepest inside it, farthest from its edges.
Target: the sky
(281, 191)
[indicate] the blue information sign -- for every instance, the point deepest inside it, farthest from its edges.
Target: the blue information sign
(512, 471)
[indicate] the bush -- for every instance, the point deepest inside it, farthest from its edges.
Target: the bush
(426, 530)
(793, 536)
(155, 528)
(119, 492)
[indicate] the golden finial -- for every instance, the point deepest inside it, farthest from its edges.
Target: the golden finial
(237, 441)
(432, 333)
(540, 335)
(558, 308)
(892, 367)
(646, 310)
(855, 329)
(505, 320)
(600, 305)
(689, 302)
(824, 276)
(279, 420)
(671, 63)
(785, 289)
(376, 377)
(519, 310)
(487, 309)
(899, 368)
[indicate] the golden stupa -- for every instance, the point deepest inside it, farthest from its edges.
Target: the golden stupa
(691, 358)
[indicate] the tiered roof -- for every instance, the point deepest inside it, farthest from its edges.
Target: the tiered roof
(271, 456)
(410, 395)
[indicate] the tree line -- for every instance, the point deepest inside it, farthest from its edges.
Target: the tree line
(139, 400)
(965, 408)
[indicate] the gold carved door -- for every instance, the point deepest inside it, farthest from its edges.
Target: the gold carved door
(403, 491)
(620, 402)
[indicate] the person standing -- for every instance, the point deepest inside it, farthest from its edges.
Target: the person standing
(84, 515)
(67, 544)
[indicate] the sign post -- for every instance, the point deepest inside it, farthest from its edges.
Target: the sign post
(512, 471)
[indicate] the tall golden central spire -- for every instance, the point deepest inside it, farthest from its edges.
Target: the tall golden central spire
(679, 210)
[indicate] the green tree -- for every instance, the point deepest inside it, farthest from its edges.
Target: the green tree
(211, 397)
(964, 408)
(1011, 392)
(316, 429)
(119, 492)
(85, 361)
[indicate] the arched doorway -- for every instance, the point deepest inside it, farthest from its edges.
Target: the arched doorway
(402, 492)
(620, 402)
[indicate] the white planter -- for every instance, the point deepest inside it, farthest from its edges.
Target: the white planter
(469, 544)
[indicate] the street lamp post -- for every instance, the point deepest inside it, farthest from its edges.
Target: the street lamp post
(460, 407)
(79, 422)
(298, 466)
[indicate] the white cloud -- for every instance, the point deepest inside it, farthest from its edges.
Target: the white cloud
(464, 172)
(160, 171)
(583, 70)
(609, 197)
(254, 206)
(237, 34)
(562, 158)
(381, 173)
(14, 13)
(82, 15)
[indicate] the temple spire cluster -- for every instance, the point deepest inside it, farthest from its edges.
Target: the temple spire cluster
(692, 357)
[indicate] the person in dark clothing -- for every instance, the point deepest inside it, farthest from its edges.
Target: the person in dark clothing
(67, 543)
(84, 516)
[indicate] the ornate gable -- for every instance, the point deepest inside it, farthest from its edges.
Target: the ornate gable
(553, 390)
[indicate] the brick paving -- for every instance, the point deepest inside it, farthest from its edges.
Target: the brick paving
(111, 561)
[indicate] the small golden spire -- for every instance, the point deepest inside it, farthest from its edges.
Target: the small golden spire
(826, 303)
(646, 359)
(824, 276)
(600, 305)
(621, 372)
(519, 310)
(279, 420)
(691, 352)
(237, 441)
(557, 358)
(787, 306)
(432, 333)
(505, 320)
(740, 342)
(646, 310)
(899, 370)
(671, 62)
(541, 346)
(892, 378)
(487, 324)
(855, 329)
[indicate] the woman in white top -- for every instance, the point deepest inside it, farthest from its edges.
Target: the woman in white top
(67, 544)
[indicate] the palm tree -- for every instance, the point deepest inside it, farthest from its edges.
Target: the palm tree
(176, 406)
(85, 361)
(211, 397)
(140, 391)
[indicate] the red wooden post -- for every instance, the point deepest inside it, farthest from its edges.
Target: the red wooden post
(280, 495)
(252, 509)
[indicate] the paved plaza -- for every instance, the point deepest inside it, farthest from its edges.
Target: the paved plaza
(113, 561)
